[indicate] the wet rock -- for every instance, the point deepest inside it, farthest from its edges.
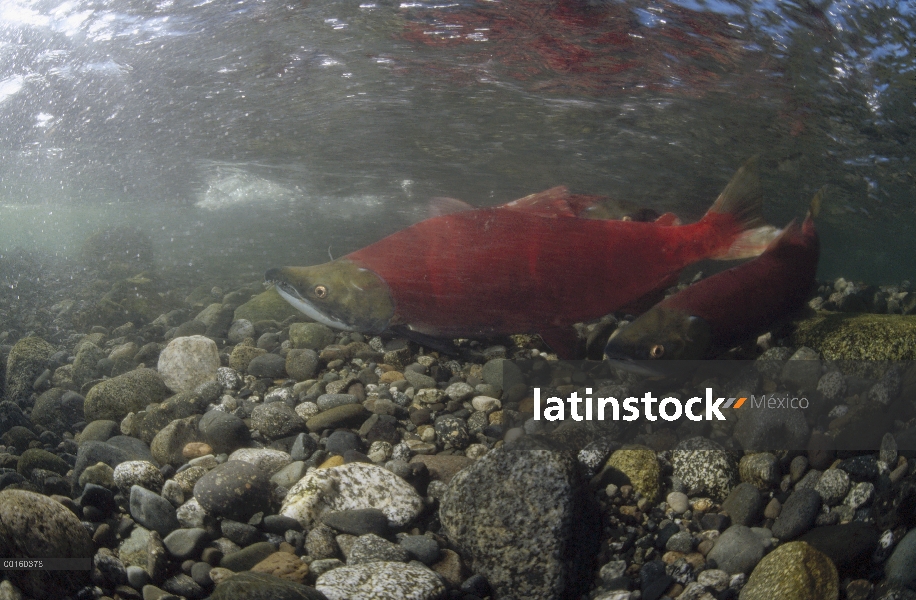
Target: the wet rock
(85, 366)
(764, 429)
(901, 566)
(340, 416)
(242, 356)
(871, 337)
(381, 581)
(794, 570)
(167, 447)
(832, 486)
(849, 546)
(267, 306)
(261, 586)
(268, 365)
(283, 566)
(183, 544)
(187, 362)
(703, 464)
(421, 547)
(358, 521)
(369, 548)
(744, 504)
(235, 489)
(761, 469)
(797, 515)
(138, 472)
(453, 431)
(266, 460)
(113, 398)
(310, 336)
(152, 511)
(276, 420)
(34, 526)
(247, 557)
(11, 416)
(26, 361)
(351, 486)
(442, 467)
(301, 363)
(738, 550)
(636, 466)
(486, 512)
(57, 410)
(36, 458)
(223, 431)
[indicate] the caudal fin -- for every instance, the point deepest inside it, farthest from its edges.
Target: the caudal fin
(742, 201)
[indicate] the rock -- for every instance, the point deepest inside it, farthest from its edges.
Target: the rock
(901, 566)
(738, 550)
(239, 330)
(168, 445)
(235, 489)
(152, 511)
(832, 486)
(11, 416)
(328, 401)
(797, 515)
(310, 336)
(419, 381)
(272, 366)
(290, 474)
(247, 557)
(639, 468)
(36, 458)
(849, 546)
(261, 586)
(369, 548)
(34, 526)
(57, 410)
(802, 370)
(502, 374)
(223, 431)
(678, 502)
(793, 571)
(242, 534)
(766, 429)
(99, 431)
(421, 547)
(744, 504)
(301, 363)
(267, 306)
(187, 362)
(442, 467)
(267, 460)
(113, 398)
(864, 337)
(25, 362)
(381, 581)
(453, 432)
(761, 469)
(183, 544)
(341, 416)
(351, 486)
(703, 464)
(321, 543)
(242, 356)
(486, 512)
(276, 420)
(284, 566)
(358, 521)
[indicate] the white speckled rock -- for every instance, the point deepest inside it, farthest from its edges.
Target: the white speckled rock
(352, 486)
(268, 460)
(380, 581)
(138, 472)
(485, 404)
(188, 362)
(191, 514)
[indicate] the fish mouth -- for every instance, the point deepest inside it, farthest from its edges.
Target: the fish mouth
(291, 294)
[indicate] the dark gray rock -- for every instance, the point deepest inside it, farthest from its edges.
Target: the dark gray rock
(423, 548)
(738, 550)
(301, 363)
(276, 420)
(152, 511)
(744, 504)
(901, 566)
(770, 430)
(242, 534)
(303, 447)
(234, 489)
(340, 442)
(247, 557)
(358, 521)
(11, 416)
(453, 431)
(57, 410)
(486, 511)
(186, 543)
(223, 431)
(326, 401)
(268, 365)
(797, 515)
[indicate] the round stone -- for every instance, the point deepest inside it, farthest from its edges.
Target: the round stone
(236, 489)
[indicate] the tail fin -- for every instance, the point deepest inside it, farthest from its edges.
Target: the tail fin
(742, 199)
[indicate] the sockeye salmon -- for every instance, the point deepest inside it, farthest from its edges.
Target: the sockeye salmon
(725, 309)
(532, 265)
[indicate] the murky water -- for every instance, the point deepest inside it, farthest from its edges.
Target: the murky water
(245, 134)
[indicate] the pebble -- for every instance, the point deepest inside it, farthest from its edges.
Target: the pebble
(797, 514)
(381, 581)
(235, 489)
(152, 511)
(678, 502)
(793, 570)
(738, 550)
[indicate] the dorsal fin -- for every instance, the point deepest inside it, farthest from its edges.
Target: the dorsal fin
(549, 203)
(442, 205)
(668, 219)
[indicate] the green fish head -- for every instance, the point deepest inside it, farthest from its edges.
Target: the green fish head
(338, 294)
(661, 333)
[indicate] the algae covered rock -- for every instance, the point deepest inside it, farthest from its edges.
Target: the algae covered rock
(267, 306)
(793, 571)
(261, 586)
(112, 399)
(639, 467)
(26, 361)
(34, 526)
(849, 336)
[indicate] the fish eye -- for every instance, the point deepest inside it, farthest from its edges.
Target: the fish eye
(657, 351)
(321, 291)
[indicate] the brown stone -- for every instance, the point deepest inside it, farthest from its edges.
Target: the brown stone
(285, 566)
(390, 377)
(196, 450)
(334, 461)
(442, 467)
(450, 568)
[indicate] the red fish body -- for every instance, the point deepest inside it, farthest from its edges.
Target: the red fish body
(530, 266)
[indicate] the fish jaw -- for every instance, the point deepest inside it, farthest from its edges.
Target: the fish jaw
(662, 333)
(339, 294)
